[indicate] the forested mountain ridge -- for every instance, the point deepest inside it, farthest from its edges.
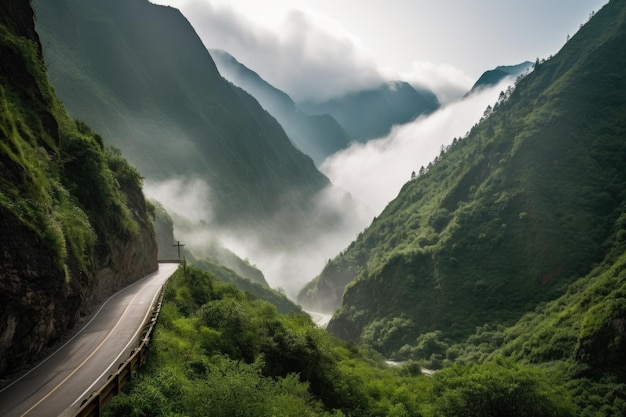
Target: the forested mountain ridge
(507, 217)
(74, 222)
(139, 74)
(317, 136)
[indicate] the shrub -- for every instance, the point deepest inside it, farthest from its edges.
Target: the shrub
(499, 389)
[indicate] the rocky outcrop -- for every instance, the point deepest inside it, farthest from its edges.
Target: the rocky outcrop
(37, 304)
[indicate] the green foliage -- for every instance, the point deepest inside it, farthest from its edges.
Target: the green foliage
(511, 245)
(77, 228)
(584, 324)
(217, 352)
(231, 388)
(386, 332)
(499, 389)
(579, 335)
(30, 187)
(58, 179)
(430, 350)
(599, 398)
(100, 179)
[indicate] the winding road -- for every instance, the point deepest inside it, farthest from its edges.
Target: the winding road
(58, 384)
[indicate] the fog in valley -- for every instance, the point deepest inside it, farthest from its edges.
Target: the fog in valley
(375, 171)
(365, 178)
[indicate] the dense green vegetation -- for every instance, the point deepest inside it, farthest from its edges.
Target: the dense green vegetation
(58, 177)
(506, 218)
(31, 188)
(579, 337)
(509, 251)
(581, 333)
(217, 352)
(70, 207)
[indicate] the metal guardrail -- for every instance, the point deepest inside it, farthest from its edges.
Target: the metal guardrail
(94, 405)
(171, 261)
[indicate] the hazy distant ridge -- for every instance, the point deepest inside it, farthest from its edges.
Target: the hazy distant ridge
(317, 136)
(371, 113)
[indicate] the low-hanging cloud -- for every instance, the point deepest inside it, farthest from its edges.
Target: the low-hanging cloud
(307, 55)
(334, 220)
(186, 197)
(374, 172)
(445, 81)
(311, 58)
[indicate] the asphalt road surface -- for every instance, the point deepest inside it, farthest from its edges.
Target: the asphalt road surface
(58, 384)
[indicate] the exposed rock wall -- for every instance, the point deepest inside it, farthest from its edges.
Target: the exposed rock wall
(37, 305)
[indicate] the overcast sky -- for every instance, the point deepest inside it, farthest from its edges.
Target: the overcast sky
(319, 48)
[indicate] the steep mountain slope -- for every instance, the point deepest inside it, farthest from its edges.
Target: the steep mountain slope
(140, 74)
(507, 217)
(372, 113)
(585, 325)
(317, 136)
(74, 221)
(580, 335)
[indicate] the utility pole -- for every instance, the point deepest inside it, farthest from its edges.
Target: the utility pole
(178, 245)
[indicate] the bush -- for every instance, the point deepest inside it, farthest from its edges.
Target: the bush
(499, 389)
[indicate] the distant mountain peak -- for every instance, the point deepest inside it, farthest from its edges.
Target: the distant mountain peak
(494, 76)
(371, 113)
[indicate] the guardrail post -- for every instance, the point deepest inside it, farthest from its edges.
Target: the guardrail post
(93, 406)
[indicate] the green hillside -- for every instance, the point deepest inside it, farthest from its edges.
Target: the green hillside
(141, 76)
(74, 222)
(507, 217)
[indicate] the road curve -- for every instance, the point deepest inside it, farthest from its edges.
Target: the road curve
(58, 384)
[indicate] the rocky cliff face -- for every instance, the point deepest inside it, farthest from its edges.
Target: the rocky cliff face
(47, 279)
(126, 260)
(37, 306)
